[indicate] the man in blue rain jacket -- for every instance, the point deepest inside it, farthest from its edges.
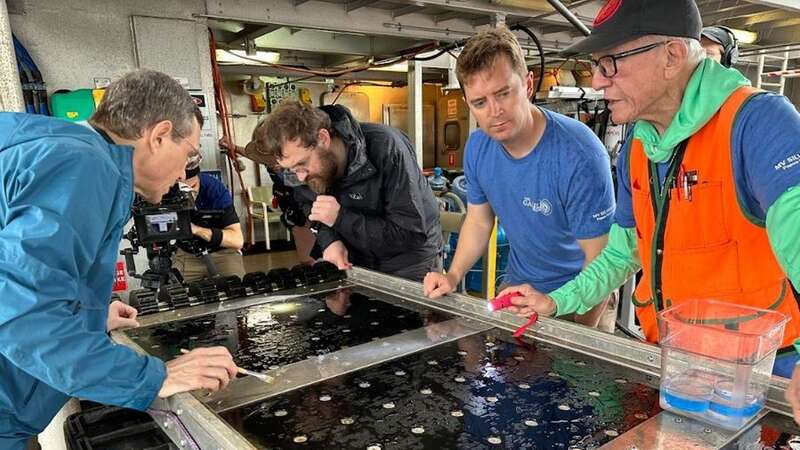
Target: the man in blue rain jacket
(67, 191)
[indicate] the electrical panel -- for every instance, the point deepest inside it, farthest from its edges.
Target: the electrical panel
(279, 93)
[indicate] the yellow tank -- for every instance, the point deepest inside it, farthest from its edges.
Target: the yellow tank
(583, 77)
(554, 77)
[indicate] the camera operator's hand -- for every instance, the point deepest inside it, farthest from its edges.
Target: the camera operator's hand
(194, 246)
(202, 368)
(121, 315)
(325, 210)
(337, 254)
(202, 233)
(226, 144)
(213, 239)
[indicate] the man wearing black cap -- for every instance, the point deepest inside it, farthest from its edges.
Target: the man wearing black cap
(720, 44)
(215, 226)
(708, 201)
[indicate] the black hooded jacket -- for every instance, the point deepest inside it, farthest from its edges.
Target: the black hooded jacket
(389, 218)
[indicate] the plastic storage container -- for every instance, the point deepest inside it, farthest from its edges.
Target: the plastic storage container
(459, 187)
(716, 360)
(74, 105)
(114, 428)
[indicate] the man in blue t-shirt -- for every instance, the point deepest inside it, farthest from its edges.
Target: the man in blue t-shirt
(215, 226)
(545, 176)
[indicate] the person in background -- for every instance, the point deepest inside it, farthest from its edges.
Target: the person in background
(546, 177)
(68, 191)
(215, 226)
(720, 45)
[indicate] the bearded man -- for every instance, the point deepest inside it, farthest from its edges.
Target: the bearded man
(360, 186)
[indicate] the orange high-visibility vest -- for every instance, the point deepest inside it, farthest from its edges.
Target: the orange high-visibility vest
(700, 244)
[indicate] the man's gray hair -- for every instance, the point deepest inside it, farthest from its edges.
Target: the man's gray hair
(694, 51)
(141, 99)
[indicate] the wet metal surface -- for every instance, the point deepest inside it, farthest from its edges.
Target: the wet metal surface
(445, 384)
(773, 432)
(636, 355)
(482, 391)
(248, 390)
(667, 431)
(237, 303)
(269, 336)
(189, 421)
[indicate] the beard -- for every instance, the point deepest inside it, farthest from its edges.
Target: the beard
(320, 182)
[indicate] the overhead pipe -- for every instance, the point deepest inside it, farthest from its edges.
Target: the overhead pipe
(770, 49)
(572, 18)
(791, 73)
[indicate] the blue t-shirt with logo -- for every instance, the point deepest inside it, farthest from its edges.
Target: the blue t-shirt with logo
(766, 157)
(213, 194)
(558, 194)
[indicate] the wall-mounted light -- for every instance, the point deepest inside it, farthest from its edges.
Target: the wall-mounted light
(398, 67)
(744, 36)
(534, 5)
(240, 57)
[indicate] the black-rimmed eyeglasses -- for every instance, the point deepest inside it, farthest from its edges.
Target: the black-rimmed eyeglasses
(608, 64)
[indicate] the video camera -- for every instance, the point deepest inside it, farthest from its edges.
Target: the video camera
(207, 218)
(156, 227)
(165, 221)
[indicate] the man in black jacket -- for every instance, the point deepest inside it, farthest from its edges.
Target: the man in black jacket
(360, 186)
(292, 216)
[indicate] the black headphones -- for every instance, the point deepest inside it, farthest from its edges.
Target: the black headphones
(730, 52)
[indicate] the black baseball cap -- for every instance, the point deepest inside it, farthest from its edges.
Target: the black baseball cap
(620, 21)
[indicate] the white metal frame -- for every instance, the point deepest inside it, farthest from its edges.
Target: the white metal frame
(782, 74)
(266, 215)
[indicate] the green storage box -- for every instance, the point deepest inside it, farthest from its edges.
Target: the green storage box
(74, 105)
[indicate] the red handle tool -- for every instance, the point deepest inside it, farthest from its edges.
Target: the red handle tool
(503, 302)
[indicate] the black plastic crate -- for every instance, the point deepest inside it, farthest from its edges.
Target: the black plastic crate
(114, 428)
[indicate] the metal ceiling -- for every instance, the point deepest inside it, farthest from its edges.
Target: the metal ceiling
(358, 29)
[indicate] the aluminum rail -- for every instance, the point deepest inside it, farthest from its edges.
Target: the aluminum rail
(186, 421)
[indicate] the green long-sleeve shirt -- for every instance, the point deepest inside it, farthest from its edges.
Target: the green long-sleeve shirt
(620, 259)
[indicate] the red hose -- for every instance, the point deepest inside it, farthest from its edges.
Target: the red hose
(227, 135)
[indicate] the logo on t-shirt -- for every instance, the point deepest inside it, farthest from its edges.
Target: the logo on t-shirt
(789, 162)
(543, 206)
(604, 214)
(355, 196)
